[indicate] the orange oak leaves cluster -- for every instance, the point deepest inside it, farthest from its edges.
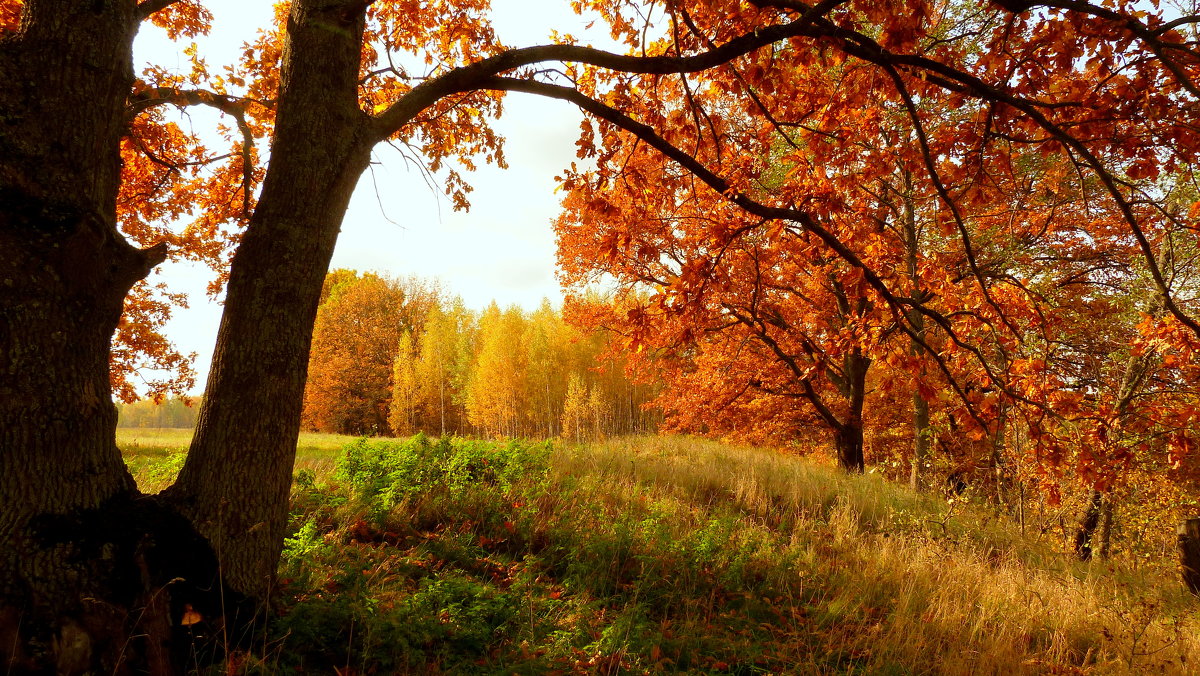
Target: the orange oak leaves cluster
(987, 206)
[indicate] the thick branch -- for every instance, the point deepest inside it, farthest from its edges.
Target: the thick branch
(473, 76)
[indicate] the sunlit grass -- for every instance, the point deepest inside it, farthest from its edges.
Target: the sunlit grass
(155, 454)
(678, 555)
(898, 582)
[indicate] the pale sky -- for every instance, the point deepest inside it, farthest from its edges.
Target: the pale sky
(502, 249)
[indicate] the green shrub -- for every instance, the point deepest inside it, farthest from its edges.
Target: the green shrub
(383, 474)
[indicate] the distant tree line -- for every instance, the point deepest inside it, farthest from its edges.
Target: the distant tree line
(395, 357)
(169, 412)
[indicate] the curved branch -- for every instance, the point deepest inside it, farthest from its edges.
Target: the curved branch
(1150, 37)
(473, 76)
(232, 106)
(860, 46)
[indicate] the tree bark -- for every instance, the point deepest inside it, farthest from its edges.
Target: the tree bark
(1104, 541)
(848, 433)
(250, 417)
(848, 442)
(921, 439)
(1084, 534)
(1189, 554)
(80, 549)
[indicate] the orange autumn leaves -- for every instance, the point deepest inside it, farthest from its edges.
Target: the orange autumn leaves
(971, 199)
(995, 182)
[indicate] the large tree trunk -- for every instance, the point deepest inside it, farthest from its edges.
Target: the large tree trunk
(848, 442)
(235, 482)
(79, 548)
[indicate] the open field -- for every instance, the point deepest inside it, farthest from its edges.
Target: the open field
(676, 555)
(155, 454)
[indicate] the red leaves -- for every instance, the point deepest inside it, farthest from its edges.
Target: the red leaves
(1180, 446)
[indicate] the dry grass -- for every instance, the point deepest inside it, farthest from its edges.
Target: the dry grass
(907, 582)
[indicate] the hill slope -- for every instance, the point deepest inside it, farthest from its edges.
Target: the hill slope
(653, 555)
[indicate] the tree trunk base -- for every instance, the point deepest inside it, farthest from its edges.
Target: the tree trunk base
(148, 596)
(1189, 554)
(848, 442)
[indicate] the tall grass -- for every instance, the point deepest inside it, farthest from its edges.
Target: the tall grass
(653, 555)
(897, 581)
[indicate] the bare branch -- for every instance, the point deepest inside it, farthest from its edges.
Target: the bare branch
(470, 77)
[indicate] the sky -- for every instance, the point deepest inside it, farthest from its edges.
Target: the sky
(502, 249)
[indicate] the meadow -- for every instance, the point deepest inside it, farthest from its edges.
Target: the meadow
(155, 454)
(673, 555)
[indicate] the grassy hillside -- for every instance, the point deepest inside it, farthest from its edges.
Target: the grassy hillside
(657, 555)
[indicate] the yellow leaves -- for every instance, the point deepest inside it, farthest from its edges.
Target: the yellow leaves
(359, 325)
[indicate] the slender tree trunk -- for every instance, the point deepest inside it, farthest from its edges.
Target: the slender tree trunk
(235, 482)
(921, 439)
(1093, 536)
(920, 406)
(999, 441)
(1084, 543)
(1106, 523)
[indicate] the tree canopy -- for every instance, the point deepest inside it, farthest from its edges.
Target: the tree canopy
(991, 196)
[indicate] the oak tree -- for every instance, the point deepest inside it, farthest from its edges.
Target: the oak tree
(88, 162)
